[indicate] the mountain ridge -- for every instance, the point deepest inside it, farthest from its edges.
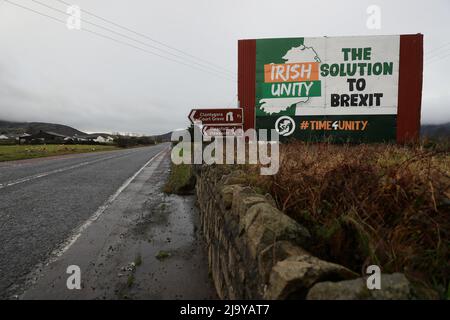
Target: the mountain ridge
(12, 127)
(16, 127)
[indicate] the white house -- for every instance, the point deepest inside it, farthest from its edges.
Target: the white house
(101, 139)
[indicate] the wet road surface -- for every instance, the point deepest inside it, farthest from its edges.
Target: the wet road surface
(129, 239)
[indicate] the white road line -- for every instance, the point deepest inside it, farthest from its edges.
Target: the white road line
(71, 240)
(44, 174)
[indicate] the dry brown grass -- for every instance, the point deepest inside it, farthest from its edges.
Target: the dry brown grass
(370, 204)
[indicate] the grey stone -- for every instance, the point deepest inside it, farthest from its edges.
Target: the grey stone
(270, 199)
(235, 177)
(227, 192)
(244, 199)
(393, 287)
(264, 225)
(294, 276)
(278, 251)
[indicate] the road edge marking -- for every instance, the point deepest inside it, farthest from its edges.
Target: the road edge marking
(63, 169)
(57, 253)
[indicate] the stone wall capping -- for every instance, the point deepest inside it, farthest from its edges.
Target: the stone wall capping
(393, 287)
(255, 251)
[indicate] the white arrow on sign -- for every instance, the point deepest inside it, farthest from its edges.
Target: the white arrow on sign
(221, 116)
(191, 116)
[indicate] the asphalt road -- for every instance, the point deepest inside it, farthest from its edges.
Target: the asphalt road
(42, 201)
(119, 253)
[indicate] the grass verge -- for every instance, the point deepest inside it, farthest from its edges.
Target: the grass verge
(19, 152)
(181, 180)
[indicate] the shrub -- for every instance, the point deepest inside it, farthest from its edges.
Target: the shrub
(370, 204)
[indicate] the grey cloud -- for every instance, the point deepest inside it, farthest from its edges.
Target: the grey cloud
(48, 73)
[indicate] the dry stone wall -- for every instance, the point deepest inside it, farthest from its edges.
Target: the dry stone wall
(255, 251)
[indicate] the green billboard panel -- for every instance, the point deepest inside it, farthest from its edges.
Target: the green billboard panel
(346, 88)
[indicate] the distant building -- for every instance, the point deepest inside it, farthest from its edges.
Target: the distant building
(9, 138)
(43, 137)
(53, 137)
(101, 139)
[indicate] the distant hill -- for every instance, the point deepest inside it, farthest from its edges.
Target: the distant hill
(11, 127)
(436, 130)
(34, 127)
(164, 137)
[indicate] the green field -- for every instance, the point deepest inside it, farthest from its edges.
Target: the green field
(18, 152)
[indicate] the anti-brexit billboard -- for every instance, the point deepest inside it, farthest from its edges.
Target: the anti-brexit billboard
(333, 88)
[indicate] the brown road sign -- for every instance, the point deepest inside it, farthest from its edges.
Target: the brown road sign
(228, 116)
(233, 130)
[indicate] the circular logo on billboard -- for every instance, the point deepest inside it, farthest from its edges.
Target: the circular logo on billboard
(285, 125)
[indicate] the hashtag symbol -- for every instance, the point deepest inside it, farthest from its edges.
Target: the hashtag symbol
(304, 125)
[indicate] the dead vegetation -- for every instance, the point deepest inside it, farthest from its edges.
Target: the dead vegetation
(370, 204)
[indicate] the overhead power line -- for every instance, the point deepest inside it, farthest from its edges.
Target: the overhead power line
(116, 40)
(440, 56)
(148, 38)
(433, 51)
(437, 54)
(438, 59)
(132, 39)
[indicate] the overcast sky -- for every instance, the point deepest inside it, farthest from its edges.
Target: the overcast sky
(53, 74)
